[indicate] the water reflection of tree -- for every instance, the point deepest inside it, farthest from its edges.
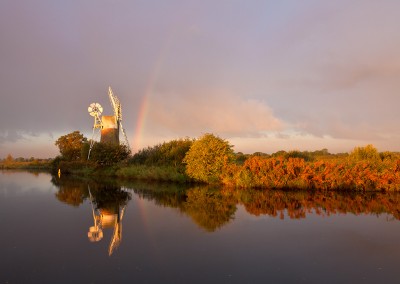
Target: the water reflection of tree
(75, 191)
(212, 208)
(71, 191)
(209, 208)
(109, 196)
(162, 194)
(298, 203)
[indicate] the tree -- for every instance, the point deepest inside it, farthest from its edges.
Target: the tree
(108, 153)
(70, 145)
(206, 158)
(9, 159)
(166, 154)
(368, 152)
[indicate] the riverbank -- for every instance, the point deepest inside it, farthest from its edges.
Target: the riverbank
(264, 173)
(125, 171)
(255, 172)
(334, 174)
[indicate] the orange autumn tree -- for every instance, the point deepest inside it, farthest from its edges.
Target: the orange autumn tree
(206, 158)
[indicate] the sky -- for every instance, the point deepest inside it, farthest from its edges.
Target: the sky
(264, 75)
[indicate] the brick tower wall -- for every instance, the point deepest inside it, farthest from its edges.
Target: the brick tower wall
(110, 131)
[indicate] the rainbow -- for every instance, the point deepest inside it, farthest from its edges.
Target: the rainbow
(138, 133)
(140, 121)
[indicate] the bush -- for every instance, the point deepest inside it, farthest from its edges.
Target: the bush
(166, 154)
(69, 167)
(206, 158)
(306, 156)
(368, 152)
(108, 154)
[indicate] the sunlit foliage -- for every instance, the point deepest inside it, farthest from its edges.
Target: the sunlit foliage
(295, 173)
(70, 145)
(368, 152)
(206, 158)
(210, 159)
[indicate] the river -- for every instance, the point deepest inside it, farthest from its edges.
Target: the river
(65, 230)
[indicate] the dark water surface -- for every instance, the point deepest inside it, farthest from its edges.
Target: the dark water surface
(70, 231)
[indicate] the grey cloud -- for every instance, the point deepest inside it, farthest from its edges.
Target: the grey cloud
(10, 136)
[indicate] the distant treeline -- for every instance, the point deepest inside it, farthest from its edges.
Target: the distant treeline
(25, 163)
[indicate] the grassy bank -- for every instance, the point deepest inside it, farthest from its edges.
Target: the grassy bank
(155, 173)
(124, 171)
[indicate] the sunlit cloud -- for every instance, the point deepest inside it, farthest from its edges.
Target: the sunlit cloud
(214, 111)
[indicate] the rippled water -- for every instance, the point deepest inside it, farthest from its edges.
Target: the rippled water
(79, 231)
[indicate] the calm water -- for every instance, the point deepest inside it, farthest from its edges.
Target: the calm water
(70, 231)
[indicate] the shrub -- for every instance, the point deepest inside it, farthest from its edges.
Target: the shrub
(306, 156)
(368, 152)
(166, 154)
(108, 153)
(206, 158)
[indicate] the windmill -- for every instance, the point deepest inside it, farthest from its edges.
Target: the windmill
(108, 126)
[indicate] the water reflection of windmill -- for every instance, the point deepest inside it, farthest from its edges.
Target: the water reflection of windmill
(105, 217)
(108, 125)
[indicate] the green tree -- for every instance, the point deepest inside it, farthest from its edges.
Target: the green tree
(70, 145)
(206, 158)
(306, 156)
(109, 153)
(240, 158)
(166, 154)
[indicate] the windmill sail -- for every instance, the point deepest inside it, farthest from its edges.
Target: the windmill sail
(115, 104)
(118, 113)
(95, 110)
